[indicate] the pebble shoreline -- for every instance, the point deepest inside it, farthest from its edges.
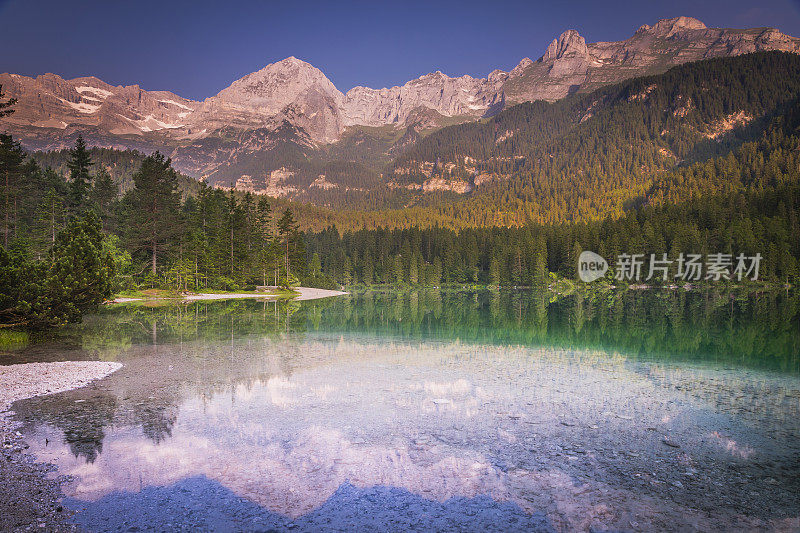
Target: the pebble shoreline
(303, 293)
(29, 501)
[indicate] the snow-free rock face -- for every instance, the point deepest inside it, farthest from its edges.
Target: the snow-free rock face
(49, 103)
(569, 45)
(51, 110)
(569, 64)
(290, 89)
(667, 28)
(465, 96)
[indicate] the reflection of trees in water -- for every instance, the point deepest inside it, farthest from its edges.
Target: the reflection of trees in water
(81, 419)
(156, 416)
(123, 326)
(755, 329)
(148, 390)
(85, 434)
(760, 330)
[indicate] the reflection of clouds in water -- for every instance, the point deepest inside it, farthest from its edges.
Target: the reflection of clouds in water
(459, 387)
(291, 477)
(457, 397)
(280, 391)
(732, 447)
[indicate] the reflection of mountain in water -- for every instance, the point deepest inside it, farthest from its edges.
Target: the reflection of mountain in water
(440, 420)
(215, 508)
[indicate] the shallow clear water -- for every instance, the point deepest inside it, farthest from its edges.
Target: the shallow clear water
(432, 410)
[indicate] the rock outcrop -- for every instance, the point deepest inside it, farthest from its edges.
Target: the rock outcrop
(290, 90)
(49, 105)
(465, 96)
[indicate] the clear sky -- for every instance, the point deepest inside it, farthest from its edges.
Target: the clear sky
(197, 48)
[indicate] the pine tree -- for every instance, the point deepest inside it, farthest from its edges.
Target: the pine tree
(104, 195)
(81, 274)
(80, 179)
(397, 269)
(235, 233)
(266, 251)
(347, 272)
(413, 269)
(6, 107)
(51, 217)
(292, 247)
(315, 268)
(11, 159)
(436, 271)
(367, 269)
(495, 272)
(73, 279)
(539, 261)
(153, 205)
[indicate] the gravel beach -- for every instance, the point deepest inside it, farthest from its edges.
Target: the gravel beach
(29, 501)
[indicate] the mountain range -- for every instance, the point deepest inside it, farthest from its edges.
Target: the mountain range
(286, 129)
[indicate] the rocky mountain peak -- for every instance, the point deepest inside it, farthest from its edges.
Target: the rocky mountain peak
(667, 28)
(290, 89)
(434, 77)
(569, 44)
(278, 84)
(521, 66)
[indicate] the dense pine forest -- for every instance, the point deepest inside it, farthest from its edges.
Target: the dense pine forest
(766, 222)
(704, 159)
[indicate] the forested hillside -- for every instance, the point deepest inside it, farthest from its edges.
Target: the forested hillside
(764, 221)
(590, 156)
(745, 201)
(120, 165)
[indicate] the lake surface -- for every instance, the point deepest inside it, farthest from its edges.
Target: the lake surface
(431, 411)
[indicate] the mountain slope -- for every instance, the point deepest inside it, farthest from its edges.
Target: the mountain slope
(289, 119)
(593, 155)
(49, 107)
(571, 65)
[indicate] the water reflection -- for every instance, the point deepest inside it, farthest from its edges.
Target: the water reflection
(595, 413)
(348, 509)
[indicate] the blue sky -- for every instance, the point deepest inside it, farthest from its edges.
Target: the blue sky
(197, 48)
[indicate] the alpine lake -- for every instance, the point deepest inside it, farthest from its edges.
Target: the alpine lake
(435, 410)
